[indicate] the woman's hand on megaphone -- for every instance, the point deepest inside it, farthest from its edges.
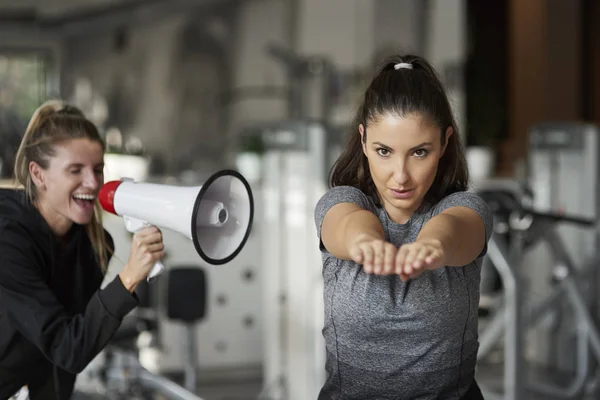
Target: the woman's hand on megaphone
(146, 248)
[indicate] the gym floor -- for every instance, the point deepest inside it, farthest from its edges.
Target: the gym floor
(489, 375)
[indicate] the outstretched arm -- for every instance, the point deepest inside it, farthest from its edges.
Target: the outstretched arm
(345, 225)
(460, 233)
(349, 230)
(69, 342)
(454, 238)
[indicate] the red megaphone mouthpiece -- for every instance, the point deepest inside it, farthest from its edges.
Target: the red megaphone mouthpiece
(106, 196)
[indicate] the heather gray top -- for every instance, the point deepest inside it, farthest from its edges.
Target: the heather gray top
(389, 339)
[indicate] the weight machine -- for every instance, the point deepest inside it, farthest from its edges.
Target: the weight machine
(563, 170)
(526, 227)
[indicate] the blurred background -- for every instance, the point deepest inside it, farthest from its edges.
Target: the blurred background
(181, 89)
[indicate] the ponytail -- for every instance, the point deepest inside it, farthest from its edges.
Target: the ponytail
(52, 122)
(27, 147)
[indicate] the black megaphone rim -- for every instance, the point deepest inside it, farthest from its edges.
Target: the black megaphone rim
(199, 197)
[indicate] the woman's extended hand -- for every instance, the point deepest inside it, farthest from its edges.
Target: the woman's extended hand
(409, 261)
(377, 256)
(414, 258)
(146, 248)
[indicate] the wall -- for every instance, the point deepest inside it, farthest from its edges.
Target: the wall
(188, 96)
(445, 47)
(13, 39)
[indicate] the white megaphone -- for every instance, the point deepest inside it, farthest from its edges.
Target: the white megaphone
(216, 216)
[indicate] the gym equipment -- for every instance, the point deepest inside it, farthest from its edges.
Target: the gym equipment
(186, 302)
(121, 374)
(311, 80)
(295, 178)
(563, 173)
(526, 227)
(216, 216)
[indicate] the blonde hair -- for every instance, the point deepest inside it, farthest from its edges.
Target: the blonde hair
(54, 122)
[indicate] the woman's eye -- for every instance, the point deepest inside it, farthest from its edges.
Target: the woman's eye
(383, 152)
(421, 153)
(75, 171)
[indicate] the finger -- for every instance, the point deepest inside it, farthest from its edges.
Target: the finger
(400, 257)
(419, 261)
(410, 259)
(142, 240)
(378, 256)
(147, 259)
(136, 242)
(357, 255)
(411, 255)
(367, 251)
(155, 237)
(146, 231)
(154, 247)
(433, 257)
(389, 257)
(158, 255)
(150, 258)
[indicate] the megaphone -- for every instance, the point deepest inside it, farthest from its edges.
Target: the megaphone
(216, 216)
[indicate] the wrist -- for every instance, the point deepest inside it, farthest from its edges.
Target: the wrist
(438, 249)
(129, 283)
(437, 243)
(363, 237)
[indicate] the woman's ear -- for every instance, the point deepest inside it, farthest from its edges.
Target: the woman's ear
(37, 175)
(449, 132)
(362, 133)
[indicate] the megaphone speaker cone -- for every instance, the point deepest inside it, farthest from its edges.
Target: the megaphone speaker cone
(222, 217)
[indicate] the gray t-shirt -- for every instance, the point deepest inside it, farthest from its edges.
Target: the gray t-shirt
(389, 339)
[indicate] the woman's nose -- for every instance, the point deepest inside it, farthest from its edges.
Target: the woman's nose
(91, 180)
(401, 174)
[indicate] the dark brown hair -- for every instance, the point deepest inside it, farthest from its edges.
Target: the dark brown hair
(415, 90)
(52, 123)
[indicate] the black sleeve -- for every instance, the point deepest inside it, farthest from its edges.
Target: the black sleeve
(68, 342)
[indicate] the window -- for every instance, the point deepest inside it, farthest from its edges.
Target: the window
(23, 87)
(23, 82)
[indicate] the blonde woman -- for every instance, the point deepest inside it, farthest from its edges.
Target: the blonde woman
(54, 317)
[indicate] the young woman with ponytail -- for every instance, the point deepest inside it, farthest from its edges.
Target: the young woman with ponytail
(402, 242)
(54, 316)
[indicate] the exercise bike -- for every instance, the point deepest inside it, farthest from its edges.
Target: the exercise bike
(518, 227)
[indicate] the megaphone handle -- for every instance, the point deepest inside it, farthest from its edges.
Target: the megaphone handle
(157, 268)
(133, 225)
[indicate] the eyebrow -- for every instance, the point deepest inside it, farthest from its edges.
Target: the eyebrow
(79, 165)
(424, 144)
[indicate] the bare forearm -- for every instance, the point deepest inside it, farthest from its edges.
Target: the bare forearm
(362, 225)
(445, 229)
(356, 226)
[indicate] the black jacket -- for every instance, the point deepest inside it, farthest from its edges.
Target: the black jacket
(54, 318)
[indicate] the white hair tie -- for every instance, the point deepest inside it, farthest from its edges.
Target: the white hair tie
(403, 65)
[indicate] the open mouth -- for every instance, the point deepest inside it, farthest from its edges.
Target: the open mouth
(85, 201)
